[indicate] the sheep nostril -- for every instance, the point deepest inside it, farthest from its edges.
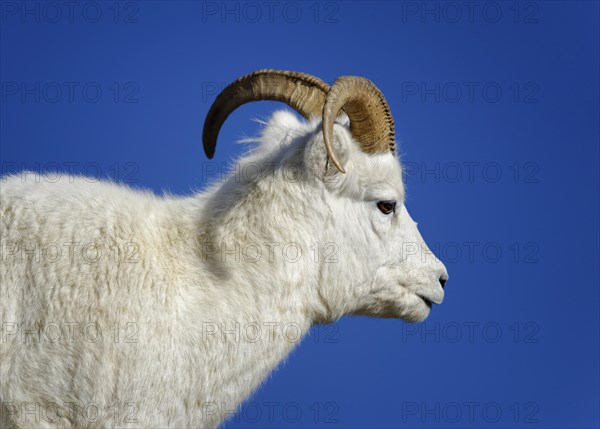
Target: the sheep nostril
(443, 281)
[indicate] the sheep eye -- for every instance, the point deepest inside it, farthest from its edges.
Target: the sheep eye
(386, 207)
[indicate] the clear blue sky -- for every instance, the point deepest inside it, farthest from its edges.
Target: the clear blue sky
(497, 110)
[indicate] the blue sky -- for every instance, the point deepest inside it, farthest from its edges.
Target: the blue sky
(497, 116)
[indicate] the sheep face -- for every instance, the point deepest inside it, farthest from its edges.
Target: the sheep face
(374, 261)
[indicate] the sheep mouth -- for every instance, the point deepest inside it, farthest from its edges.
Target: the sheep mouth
(428, 302)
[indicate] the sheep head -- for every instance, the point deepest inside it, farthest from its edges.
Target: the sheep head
(350, 194)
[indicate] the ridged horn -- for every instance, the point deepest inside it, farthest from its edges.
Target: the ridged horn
(302, 92)
(371, 121)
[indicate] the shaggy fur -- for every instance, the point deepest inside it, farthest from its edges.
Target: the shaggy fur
(123, 308)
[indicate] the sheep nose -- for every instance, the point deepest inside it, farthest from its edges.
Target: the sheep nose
(443, 281)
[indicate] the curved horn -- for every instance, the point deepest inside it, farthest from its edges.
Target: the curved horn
(371, 121)
(302, 92)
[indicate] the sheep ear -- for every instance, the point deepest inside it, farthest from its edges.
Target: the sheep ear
(318, 163)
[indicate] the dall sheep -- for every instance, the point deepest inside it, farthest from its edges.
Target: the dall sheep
(183, 305)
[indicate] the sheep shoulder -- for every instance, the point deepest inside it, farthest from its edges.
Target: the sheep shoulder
(85, 245)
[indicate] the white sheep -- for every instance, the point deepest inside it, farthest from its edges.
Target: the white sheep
(123, 308)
